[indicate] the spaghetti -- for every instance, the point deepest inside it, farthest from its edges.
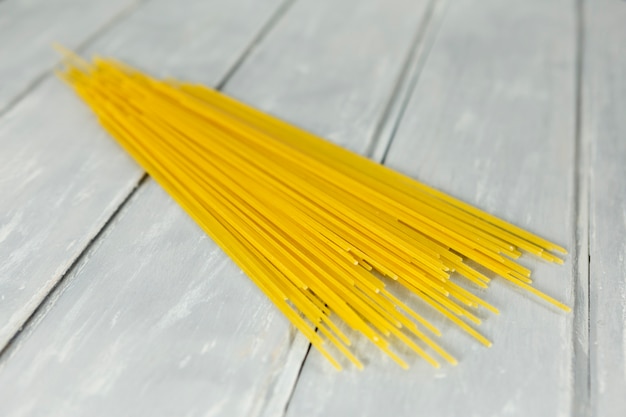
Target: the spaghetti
(319, 229)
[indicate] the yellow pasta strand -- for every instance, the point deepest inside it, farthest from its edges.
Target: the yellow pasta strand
(316, 227)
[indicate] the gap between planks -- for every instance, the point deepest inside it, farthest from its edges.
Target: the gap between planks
(4, 349)
(265, 30)
(581, 366)
(399, 100)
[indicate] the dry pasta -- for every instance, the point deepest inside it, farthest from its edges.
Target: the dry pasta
(319, 229)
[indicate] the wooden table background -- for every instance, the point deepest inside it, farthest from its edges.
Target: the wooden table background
(113, 303)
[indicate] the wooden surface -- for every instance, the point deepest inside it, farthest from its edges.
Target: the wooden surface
(604, 133)
(113, 302)
(27, 29)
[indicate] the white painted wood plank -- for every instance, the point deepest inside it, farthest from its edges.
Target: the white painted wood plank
(62, 177)
(492, 121)
(604, 129)
(28, 29)
(157, 321)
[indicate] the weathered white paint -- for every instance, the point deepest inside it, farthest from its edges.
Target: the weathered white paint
(154, 320)
(604, 129)
(492, 121)
(62, 177)
(28, 29)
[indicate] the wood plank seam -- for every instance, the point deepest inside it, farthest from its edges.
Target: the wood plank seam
(297, 378)
(603, 128)
(582, 258)
(407, 80)
(284, 385)
(48, 297)
(83, 45)
(265, 30)
(126, 13)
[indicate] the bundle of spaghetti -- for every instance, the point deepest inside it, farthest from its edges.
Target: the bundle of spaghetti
(319, 229)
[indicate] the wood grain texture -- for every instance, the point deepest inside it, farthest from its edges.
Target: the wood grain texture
(62, 178)
(155, 319)
(28, 29)
(604, 129)
(492, 121)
